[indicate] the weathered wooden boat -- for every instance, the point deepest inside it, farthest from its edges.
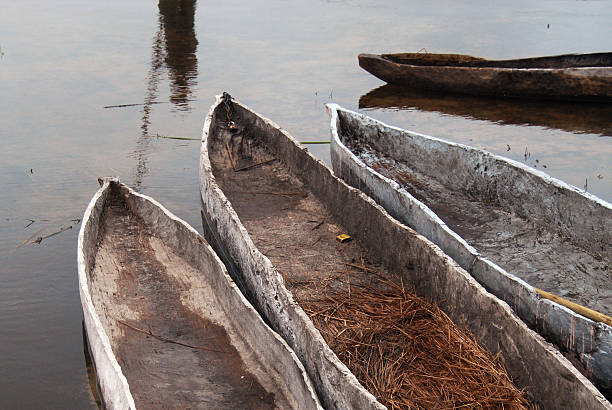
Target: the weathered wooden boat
(512, 227)
(264, 196)
(571, 116)
(165, 324)
(585, 77)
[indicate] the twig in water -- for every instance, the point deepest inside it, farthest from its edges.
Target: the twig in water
(31, 222)
(25, 241)
(134, 105)
(41, 238)
(163, 339)
(177, 138)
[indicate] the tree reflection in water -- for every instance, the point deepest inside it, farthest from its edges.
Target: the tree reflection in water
(174, 52)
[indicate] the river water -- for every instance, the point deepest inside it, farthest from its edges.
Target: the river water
(63, 61)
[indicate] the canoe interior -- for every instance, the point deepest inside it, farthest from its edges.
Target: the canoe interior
(560, 251)
(172, 325)
(460, 60)
(293, 208)
(287, 223)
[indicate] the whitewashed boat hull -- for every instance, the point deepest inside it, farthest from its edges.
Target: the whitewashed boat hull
(587, 218)
(275, 365)
(549, 378)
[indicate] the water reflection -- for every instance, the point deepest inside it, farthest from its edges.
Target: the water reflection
(173, 51)
(568, 116)
(177, 19)
(91, 370)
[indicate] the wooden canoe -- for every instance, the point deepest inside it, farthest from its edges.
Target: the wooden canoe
(272, 212)
(165, 324)
(583, 77)
(512, 227)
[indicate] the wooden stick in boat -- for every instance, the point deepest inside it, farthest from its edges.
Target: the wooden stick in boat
(229, 153)
(163, 339)
(582, 310)
(253, 165)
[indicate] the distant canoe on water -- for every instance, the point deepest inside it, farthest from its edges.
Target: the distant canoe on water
(165, 324)
(581, 77)
(511, 226)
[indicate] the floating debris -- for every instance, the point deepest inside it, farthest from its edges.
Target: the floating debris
(135, 105)
(176, 138)
(41, 238)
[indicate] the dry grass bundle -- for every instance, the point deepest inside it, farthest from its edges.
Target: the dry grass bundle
(405, 350)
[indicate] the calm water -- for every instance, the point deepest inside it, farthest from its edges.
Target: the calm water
(62, 62)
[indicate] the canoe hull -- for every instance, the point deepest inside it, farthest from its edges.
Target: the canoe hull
(338, 388)
(534, 364)
(589, 340)
(114, 387)
(209, 300)
(581, 83)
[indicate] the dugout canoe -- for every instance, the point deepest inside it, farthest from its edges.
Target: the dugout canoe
(264, 195)
(165, 324)
(512, 227)
(582, 77)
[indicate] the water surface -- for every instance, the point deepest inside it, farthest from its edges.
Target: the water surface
(63, 61)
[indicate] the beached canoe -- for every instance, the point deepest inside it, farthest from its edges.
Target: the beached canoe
(276, 215)
(512, 227)
(165, 324)
(585, 77)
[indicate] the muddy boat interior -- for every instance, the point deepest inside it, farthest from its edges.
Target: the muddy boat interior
(522, 243)
(173, 336)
